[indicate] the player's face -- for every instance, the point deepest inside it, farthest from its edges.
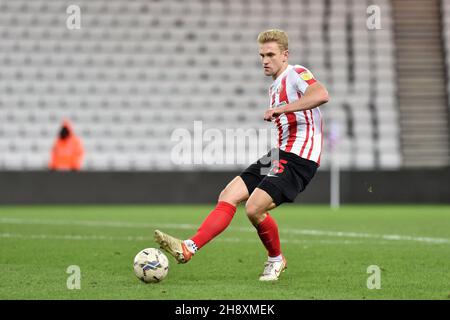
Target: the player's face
(273, 58)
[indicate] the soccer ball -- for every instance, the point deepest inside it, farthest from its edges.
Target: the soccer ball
(151, 265)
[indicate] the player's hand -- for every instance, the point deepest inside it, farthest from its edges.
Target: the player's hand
(269, 115)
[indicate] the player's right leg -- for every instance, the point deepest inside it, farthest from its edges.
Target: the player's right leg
(216, 222)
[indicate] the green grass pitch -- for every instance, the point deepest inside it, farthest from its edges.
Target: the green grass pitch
(328, 253)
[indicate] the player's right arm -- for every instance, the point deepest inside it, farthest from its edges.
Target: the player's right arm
(313, 93)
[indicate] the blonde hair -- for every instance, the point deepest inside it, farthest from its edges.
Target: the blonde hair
(276, 35)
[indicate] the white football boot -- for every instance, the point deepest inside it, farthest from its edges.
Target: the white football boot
(273, 270)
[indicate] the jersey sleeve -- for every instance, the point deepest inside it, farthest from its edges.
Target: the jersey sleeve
(303, 79)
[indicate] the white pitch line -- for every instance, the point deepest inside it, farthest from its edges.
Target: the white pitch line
(390, 237)
(72, 237)
(69, 237)
(139, 225)
(93, 223)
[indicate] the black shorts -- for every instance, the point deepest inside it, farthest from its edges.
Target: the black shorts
(283, 177)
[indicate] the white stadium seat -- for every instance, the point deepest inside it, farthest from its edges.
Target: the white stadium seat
(137, 71)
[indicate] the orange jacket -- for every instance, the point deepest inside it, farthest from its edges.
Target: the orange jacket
(67, 154)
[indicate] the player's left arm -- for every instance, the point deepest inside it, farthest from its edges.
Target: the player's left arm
(315, 95)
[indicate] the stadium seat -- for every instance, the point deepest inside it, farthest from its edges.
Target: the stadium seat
(135, 72)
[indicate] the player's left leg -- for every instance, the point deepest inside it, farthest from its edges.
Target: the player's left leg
(257, 207)
(287, 177)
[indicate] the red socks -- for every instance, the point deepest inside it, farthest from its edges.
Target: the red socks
(219, 219)
(268, 233)
(215, 223)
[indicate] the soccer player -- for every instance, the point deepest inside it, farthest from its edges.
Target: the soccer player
(295, 96)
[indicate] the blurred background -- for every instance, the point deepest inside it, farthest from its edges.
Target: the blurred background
(134, 72)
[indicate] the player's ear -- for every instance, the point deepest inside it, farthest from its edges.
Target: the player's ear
(286, 54)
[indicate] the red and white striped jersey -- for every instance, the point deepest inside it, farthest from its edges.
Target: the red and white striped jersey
(298, 132)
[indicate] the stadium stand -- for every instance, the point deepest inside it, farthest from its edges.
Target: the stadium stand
(445, 10)
(421, 79)
(138, 70)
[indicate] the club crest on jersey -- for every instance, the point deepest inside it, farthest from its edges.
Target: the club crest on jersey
(306, 75)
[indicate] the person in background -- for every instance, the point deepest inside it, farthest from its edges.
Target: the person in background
(67, 152)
